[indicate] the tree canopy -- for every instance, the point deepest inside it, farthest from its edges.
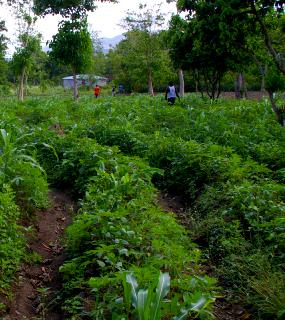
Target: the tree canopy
(210, 41)
(144, 43)
(3, 47)
(72, 46)
(65, 7)
(250, 14)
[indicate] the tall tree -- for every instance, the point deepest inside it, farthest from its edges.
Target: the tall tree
(250, 19)
(3, 47)
(203, 44)
(24, 56)
(66, 8)
(252, 13)
(129, 66)
(145, 26)
(72, 46)
(100, 63)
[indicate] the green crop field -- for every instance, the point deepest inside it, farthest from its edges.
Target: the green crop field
(126, 256)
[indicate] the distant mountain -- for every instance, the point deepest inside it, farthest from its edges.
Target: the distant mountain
(107, 43)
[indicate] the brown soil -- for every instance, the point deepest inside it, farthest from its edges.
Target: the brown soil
(38, 284)
(252, 95)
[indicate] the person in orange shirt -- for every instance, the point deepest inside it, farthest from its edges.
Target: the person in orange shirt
(97, 91)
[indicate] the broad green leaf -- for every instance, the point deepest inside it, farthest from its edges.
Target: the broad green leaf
(101, 263)
(52, 148)
(142, 306)
(161, 291)
(183, 315)
(127, 292)
(134, 285)
(31, 161)
(124, 251)
(4, 135)
(197, 306)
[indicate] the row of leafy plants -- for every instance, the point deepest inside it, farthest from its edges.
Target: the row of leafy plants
(23, 189)
(126, 257)
(119, 235)
(224, 158)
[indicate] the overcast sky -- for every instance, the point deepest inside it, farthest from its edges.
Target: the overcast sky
(105, 19)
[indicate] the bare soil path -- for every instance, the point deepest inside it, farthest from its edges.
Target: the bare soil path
(39, 283)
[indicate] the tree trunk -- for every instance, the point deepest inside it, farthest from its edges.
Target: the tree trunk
(21, 85)
(26, 85)
(240, 87)
(244, 87)
(181, 83)
(277, 57)
(280, 112)
(263, 72)
(150, 86)
(75, 89)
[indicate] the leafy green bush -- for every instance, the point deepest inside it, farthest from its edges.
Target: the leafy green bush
(22, 172)
(11, 238)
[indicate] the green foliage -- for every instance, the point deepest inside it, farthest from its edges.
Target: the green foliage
(65, 8)
(22, 172)
(270, 297)
(274, 81)
(11, 238)
(72, 46)
(117, 226)
(26, 52)
(140, 58)
(23, 187)
(149, 302)
(23, 57)
(3, 47)
(210, 41)
(223, 158)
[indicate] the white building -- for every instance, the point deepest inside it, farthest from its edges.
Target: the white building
(84, 80)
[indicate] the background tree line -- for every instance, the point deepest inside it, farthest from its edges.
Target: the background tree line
(213, 45)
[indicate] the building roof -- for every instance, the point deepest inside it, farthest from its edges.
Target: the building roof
(85, 77)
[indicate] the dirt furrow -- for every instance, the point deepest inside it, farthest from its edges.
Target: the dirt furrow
(39, 283)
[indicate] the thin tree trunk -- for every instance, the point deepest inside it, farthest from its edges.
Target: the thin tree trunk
(280, 112)
(181, 83)
(150, 86)
(277, 58)
(244, 87)
(238, 84)
(263, 75)
(26, 85)
(75, 89)
(21, 85)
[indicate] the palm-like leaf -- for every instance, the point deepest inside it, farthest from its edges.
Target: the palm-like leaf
(134, 285)
(161, 291)
(143, 305)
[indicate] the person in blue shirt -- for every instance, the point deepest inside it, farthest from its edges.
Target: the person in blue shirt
(171, 93)
(121, 89)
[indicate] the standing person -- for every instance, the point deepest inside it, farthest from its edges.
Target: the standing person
(171, 93)
(113, 91)
(121, 89)
(97, 91)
